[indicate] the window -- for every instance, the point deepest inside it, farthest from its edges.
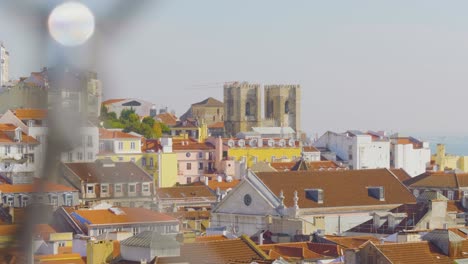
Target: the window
(151, 162)
(214, 118)
(31, 158)
(200, 155)
(30, 123)
(120, 145)
(69, 199)
(61, 244)
(79, 155)
(132, 145)
(90, 189)
(189, 180)
(188, 154)
(450, 195)
(132, 188)
(20, 149)
(286, 107)
(24, 201)
(135, 230)
(7, 150)
(31, 147)
(9, 200)
(145, 187)
(247, 108)
(200, 165)
(143, 162)
(54, 200)
(89, 142)
(118, 188)
(189, 166)
(90, 156)
(104, 188)
(217, 111)
(70, 157)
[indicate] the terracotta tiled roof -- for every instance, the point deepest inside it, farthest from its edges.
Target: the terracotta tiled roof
(406, 141)
(210, 238)
(401, 174)
(167, 118)
(33, 187)
(113, 134)
(413, 253)
(216, 125)
(6, 135)
(309, 149)
(72, 258)
(351, 241)
(30, 113)
(130, 215)
(44, 231)
(191, 144)
(94, 172)
(439, 180)
(112, 101)
(210, 102)
(301, 251)
(308, 166)
(192, 215)
(224, 185)
(8, 230)
(241, 250)
(184, 192)
(454, 206)
(356, 192)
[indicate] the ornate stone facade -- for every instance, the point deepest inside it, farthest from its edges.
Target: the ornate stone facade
(242, 107)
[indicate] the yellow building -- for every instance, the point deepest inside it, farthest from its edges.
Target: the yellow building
(160, 161)
(448, 161)
(119, 146)
(259, 150)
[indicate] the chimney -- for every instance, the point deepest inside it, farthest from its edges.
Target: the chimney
(260, 238)
(206, 180)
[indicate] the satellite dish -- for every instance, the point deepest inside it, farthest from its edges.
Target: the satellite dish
(291, 143)
(253, 142)
(241, 143)
(231, 143)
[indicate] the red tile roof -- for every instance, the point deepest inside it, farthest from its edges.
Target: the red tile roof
(130, 215)
(184, 192)
(30, 113)
(113, 134)
(112, 101)
(94, 172)
(216, 125)
(439, 180)
(167, 118)
(413, 253)
(191, 144)
(34, 187)
(355, 193)
(6, 135)
(401, 174)
(351, 241)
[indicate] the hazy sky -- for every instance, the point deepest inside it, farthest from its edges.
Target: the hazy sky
(393, 65)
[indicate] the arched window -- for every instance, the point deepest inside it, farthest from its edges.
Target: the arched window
(286, 107)
(247, 108)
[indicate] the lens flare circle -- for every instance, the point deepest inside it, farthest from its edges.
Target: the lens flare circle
(71, 24)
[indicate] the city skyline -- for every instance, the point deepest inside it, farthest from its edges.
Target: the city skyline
(377, 66)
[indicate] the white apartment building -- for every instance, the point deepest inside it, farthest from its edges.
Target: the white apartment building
(410, 154)
(359, 150)
(4, 65)
(33, 122)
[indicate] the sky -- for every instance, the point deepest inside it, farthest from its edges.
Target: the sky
(399, 66)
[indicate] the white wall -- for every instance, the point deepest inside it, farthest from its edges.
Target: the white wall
(413, 161)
